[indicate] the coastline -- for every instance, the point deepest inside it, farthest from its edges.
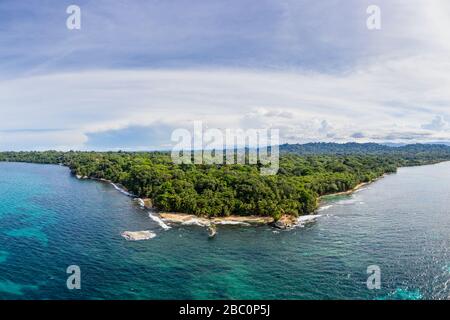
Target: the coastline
(162, 218)
(353, 190)
(285, 222)
(116, 186)
(348, 192)
(184, 218)
(298, 249)
(190, 219)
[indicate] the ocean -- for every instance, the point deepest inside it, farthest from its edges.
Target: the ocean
(50, 220)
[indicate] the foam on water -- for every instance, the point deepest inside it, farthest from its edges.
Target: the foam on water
(158, 221)
(347, 202)
(302, 220)
(141, 202)
(323, 208)
(403, 294)
(121, 190)
(195, 222)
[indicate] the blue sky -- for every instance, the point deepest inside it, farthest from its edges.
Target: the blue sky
(139, 69)
(180, 34)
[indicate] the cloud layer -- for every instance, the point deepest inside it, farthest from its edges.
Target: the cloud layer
(140, 69)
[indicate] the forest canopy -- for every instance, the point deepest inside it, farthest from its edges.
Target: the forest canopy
(306, 172)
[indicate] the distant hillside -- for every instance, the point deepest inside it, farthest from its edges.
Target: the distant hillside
(362, 148)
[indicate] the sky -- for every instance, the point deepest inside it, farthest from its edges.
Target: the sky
(139, 69)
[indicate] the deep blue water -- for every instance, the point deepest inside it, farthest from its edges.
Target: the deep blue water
(50, 220)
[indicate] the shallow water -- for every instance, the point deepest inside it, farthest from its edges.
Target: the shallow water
(50, 220)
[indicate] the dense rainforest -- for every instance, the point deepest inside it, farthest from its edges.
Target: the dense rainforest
(306, 172)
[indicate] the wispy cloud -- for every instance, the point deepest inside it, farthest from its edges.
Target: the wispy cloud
(437, 124)
(139, 68)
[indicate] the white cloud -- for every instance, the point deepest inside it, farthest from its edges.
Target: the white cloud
(390, 82)
(42, 140)
(393, 95)
(437, 124)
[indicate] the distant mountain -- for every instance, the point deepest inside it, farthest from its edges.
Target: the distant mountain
(361, 148)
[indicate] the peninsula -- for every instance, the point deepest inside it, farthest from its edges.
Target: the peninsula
(306, 173)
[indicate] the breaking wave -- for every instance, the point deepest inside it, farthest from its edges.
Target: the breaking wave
(158, 221)
(122, 190)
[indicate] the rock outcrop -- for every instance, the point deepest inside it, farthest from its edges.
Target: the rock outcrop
(285, 222)
(138, 235)
(201, 221)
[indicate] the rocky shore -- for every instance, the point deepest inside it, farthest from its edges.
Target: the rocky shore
(285, 222)
(145, 203)
(190, 219)
(138, 235)
(348, 192)
(356, 188)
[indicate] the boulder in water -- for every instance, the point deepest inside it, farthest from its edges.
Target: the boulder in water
(138, 235)
(145, 202)
(212, 231)
(285, 222)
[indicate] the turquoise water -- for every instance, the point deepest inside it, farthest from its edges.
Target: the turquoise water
(49, 220)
